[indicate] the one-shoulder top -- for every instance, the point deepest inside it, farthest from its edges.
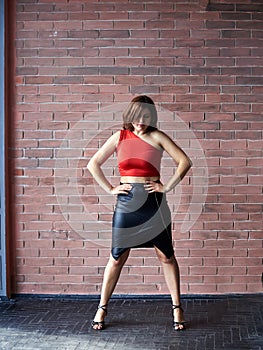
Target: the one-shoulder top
(137, 157)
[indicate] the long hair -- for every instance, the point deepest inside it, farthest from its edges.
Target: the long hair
(134, 110)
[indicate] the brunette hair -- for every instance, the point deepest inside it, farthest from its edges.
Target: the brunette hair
(134, 110)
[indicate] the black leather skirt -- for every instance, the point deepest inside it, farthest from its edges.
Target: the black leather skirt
(141, 219)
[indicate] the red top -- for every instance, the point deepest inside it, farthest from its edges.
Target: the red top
(137, 157)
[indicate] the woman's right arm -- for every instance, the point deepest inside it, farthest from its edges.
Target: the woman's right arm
(95, 163)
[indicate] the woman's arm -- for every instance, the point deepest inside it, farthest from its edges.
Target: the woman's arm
(95, 163)
(181, 159)
(178, 155)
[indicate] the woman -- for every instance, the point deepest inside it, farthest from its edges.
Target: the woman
(142, 217)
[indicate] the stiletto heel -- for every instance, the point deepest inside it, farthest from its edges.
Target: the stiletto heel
(100, 324)
(181, 323)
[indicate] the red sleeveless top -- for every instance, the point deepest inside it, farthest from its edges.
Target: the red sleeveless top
(137, 157)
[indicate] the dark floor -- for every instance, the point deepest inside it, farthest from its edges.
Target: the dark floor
(230, 322)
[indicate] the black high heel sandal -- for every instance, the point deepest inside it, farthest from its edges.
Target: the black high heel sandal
(100, 324)
(178, 324)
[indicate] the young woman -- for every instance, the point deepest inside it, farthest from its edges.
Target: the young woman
(142, 217)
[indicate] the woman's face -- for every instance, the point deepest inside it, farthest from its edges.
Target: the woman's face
(143, 121)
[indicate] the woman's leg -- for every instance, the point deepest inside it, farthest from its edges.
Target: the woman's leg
(111, 275)
(172, 278)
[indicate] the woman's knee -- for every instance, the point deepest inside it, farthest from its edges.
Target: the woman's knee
(165, 260)
(120, 261)
(115, 263)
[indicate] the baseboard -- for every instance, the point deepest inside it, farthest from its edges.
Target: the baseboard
(130, 296)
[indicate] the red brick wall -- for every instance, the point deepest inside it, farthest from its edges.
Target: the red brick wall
(77, 62)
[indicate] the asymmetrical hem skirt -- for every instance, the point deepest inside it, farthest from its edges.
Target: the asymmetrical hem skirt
(141, 219)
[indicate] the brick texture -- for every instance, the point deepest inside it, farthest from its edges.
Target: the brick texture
(77, 62)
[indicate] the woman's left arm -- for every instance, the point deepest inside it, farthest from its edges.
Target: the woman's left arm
(178, 155)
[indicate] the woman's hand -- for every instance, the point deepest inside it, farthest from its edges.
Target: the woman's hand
(124, 189)
(152, 186)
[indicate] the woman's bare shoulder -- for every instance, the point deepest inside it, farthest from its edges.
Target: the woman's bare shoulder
(111, 141)
(159, 136)
(115, 135)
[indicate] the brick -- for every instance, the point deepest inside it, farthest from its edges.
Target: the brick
(217, 279)
(253, 287)
(232, 270)
(249, 80)
(219, 261)
(204, 253)
(142, 33)
(248, 99)
(248, 207)
(191, 61)
(233, 252)
(220, 62)
(249, 24)
(219, 24)
(174, 52)
(163, 42)
(235, 34)
(218, 207)
(195, 288)
(256, 108)
(231, 288)
(255, 252)
(38, 278)
(249, 261)
(38, 80)
(248, 225)
(159, 24)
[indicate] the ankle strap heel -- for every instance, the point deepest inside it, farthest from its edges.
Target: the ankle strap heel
(99, 325)
(178, 326)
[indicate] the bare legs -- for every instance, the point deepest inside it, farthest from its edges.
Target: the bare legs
(111, 276)
(112, 273)
(172, 278)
